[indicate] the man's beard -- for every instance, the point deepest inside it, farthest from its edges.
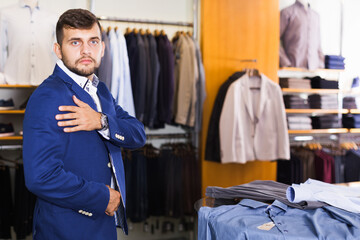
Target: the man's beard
(81, 72)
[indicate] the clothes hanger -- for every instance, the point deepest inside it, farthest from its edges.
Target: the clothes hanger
(128, 30)
(108, 29)
(156, 32)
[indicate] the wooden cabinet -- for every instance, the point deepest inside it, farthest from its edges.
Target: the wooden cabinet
(231, 31)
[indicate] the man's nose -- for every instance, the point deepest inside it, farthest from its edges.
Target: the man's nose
(85, 49)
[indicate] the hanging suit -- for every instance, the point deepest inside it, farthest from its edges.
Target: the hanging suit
(68, 171)
(250, 131)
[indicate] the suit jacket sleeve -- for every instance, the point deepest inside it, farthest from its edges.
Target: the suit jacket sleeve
(282, 130)
(44, 147)
(125, 131)
(284, 59)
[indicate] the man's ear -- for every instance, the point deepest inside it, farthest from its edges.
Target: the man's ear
(57, 50)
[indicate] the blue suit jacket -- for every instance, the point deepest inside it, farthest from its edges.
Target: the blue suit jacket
(68, 171)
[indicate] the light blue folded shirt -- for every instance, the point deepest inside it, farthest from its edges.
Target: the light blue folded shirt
(256, 220)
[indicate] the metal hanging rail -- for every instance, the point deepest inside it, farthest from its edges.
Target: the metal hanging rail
(128, 20)
(168, 136)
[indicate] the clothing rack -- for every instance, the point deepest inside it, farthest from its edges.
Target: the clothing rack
(326, 140)
(169, 136)
(129, 20)
(193, 25)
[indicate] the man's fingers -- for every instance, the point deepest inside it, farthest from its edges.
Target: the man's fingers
(79, 102)
(65, 116)
(68, 108)
(110, 214)
(73, 129)
(67, 123)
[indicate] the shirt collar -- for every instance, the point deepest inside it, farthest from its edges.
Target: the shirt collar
(22, 4)
(83, 82)
(301, 5)
(277, 207)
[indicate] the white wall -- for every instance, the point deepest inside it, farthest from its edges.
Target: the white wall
(166, 10)
(330, 25)
(351, 42)
(158, 10)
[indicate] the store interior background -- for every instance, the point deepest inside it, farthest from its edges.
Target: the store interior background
(232, 29)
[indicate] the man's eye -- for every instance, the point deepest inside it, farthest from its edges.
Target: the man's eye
(94, 42)
(75, 43)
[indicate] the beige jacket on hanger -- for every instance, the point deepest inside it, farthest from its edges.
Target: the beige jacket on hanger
(186, 76)
(253, 123)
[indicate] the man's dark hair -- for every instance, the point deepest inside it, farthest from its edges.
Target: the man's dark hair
(75, 18)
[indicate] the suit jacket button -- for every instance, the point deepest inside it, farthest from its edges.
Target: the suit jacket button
(90, 214)
(80, 211)
(109, 165)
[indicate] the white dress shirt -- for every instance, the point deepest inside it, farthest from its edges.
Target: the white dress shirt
(300, 38)
(125, 97)
(347, 198)
(90, 87)
(26, 42)
(120, 82)
(114, 50)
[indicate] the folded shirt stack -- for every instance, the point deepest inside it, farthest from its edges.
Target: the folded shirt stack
(295, 83)
(6, 104)
(317, 101)
(6, 130)
(295, 102)
(299, 122)
(351, 120)
(349, 103)
(321, 83)
(262, 190)
(326, 121)
(334, 62)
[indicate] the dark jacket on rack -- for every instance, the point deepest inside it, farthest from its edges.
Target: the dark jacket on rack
(166, 80)
(137, 62)
(212, 149)
(153, 83)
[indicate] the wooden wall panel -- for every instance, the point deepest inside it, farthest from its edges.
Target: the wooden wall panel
(232, 30)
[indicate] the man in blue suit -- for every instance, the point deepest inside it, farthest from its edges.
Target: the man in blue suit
(73, 135)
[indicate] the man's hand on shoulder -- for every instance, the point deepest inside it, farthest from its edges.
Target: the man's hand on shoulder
(81, 117)
(114, 202)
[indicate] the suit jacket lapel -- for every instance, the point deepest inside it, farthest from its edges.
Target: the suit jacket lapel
(263, 96)
(245, 92)
(105, 106)
(79, 92)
